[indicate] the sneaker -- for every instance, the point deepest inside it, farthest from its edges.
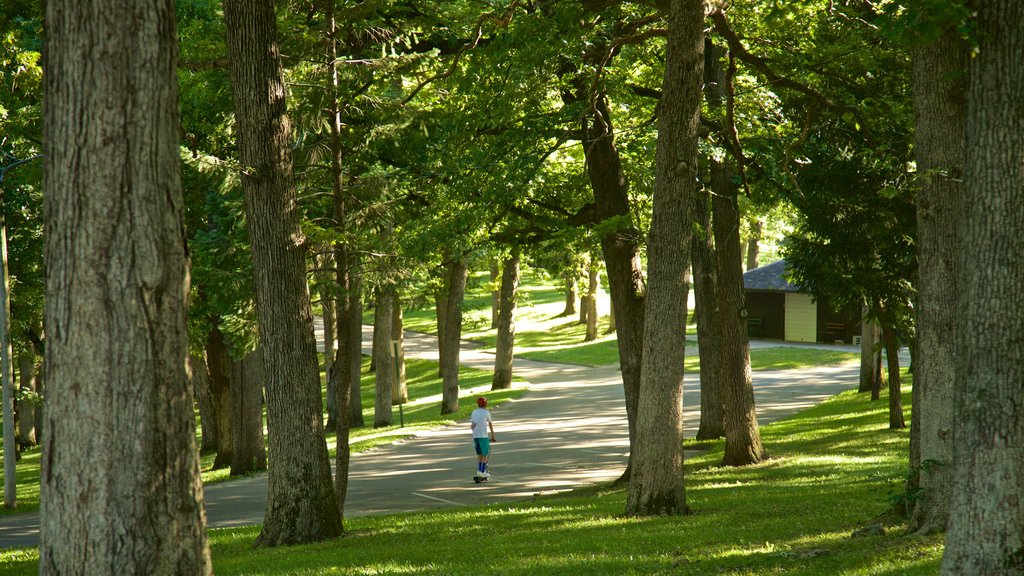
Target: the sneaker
(485, 474)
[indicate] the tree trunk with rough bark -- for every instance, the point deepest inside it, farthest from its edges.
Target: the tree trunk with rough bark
(120, 491)
(620, 247)
(301, 503)
(938, 81)
(591, 305)
(204, 402)
(753, 245)
(25, 411)
(705, 296)
(892, 361)
(455, 282)
(495, 293)
(868, 344)
(506, 337)
(327, 305)
(400, 392)
(570, 294)
(248, 453)
(384, 377)
(742, 435)
(985, 535)
(219, 369)
(656, 484)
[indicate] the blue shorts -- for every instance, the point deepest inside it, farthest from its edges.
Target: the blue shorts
(482, 445)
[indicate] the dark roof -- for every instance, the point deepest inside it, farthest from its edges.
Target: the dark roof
(769, 278)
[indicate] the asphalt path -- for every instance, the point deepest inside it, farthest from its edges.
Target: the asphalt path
(569, 430)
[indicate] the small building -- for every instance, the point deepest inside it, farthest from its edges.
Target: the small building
(779, 310)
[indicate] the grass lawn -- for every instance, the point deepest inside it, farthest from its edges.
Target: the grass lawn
(834, 469)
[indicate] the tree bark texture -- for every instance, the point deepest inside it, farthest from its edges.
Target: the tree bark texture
(116, 295)
(939, 92)
(495, 293)
(985, 534)
(455, 282)
(868, 342)
(705, 295)
(327, 305)
(400, 392)
(506, 337)
(248, 453)
(384, 376)
(753, 245)
(656, 483)
(204, 402)
(593, 279)
(301, 504)
(218, 364)
(570, 294)
(620, 247)
(742, 436)
(25, 412)
(892, 361)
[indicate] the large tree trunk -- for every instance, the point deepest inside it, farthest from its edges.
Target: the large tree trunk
(495, 293)
(742, 436)
(570, 293)
(620, 247)
(455, 282)
(868, 343)
(218, 363)
(204, 401)
(400, 392)
(301, 504)
(248, 454)
(119, 489)
(753, 244)
(938, 81)
(25, 411)
(327, 305)
(892, 361)
(985, 535)
(593, 280)
(656, 484)
(506, 337)
(384, 376)
(705, 295)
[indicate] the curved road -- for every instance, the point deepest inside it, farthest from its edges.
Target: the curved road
(569, 430)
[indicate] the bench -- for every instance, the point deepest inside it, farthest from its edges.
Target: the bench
(835, 331)
(754, 327)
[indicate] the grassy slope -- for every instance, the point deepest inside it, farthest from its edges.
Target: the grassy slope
(834, 470)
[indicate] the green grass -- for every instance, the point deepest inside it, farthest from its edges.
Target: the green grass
(833, 470)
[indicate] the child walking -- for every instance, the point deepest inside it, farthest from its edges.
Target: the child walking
(480, 423)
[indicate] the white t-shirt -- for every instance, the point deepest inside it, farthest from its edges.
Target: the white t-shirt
(478, 420)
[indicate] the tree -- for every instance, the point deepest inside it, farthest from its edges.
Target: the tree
(384, 375)
(656, 483)
(506, 336)
(939, 58)
(117, 281)
(301, 505)
(984, 535)
(248, 454)
(456, 273)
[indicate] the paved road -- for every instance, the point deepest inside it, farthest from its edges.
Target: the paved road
(569, 430)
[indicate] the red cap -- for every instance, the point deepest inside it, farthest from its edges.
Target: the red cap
(481, 401)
